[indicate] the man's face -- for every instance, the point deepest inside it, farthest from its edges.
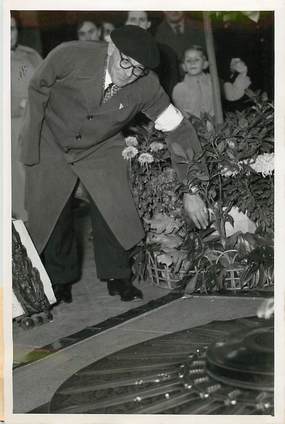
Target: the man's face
(194, 62)
(174, 17)
(138, 18)
(14, 33)
(119, 75)
(88, 32)
(108, 27)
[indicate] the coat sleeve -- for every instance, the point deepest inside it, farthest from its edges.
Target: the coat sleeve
(185, 148)
(179, 99)
(183, 143)
(54, 67)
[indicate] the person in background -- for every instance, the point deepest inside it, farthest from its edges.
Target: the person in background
(88, 31)
(168, 68)
(138, 18)
(179, 32)
(80, 99)
(194, 95)
(107, 28)
(24, 61)
(249, 36)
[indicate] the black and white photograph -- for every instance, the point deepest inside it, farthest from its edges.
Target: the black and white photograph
(142, 222)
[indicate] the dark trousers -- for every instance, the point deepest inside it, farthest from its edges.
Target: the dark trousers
(61, 255)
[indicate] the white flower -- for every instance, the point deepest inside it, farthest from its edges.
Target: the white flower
(129, 152)
(228, 172)
(131, 141)
(145, 158)
(264, 164)
(155, 146)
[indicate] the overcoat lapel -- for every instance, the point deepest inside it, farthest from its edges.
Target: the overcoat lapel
(92, 81)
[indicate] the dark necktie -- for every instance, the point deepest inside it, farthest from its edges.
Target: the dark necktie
(110, 91)
(178, 29)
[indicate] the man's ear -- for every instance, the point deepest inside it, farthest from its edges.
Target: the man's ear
(111, 47)
(206, 64)
(183, 67)
(148, 25)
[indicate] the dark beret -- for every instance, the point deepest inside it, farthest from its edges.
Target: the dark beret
(138, 44)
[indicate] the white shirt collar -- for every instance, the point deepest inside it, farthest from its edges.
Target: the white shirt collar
(108, 79)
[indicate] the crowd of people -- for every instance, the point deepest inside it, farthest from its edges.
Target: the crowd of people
(68, 111)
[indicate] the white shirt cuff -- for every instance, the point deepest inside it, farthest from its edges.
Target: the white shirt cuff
(169, 119)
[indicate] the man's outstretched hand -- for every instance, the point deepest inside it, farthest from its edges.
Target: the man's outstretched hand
(196, 210)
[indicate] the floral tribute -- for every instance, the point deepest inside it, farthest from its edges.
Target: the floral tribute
(152, 179)
(240, 159)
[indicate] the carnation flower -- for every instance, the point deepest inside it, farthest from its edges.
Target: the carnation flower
(145, 158)
(264, 164)
(129, 152)
(131, 141)
(155, 146)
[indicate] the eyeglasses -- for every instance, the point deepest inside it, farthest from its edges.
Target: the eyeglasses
(137, 71)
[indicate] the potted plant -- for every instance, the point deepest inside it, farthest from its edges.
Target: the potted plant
(239, 156)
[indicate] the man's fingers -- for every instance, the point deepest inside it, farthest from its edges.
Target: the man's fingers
(200, 219)
(203, 218)
(196, 222)
(196, 211)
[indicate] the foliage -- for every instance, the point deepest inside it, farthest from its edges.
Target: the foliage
(239, 157)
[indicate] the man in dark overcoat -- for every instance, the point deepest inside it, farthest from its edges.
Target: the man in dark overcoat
(179, 31)
(72, 132)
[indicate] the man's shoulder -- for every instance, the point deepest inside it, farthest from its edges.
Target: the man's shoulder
(192, 25)
(149, 82)
(78, 52)
(162, 28)
(27, 50)
(77, 45)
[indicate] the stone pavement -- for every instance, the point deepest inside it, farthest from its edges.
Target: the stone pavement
(96, 325)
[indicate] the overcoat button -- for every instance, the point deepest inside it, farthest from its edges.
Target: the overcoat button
(90, 117)
(78, 137)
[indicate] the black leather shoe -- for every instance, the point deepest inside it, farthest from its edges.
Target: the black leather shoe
(63, 293)
(125, 289)
(128, 292)
(113, 287)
